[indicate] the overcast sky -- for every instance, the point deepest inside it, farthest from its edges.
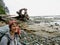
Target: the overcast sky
(35, 7)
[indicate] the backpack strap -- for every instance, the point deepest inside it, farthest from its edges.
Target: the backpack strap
(8, 43)
(2, 35)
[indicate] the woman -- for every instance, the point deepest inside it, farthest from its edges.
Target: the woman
(10, 38)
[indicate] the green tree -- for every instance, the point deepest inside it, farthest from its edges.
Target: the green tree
(2, 7)
(2, 10)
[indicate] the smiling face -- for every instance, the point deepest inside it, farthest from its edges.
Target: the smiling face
(14, 27)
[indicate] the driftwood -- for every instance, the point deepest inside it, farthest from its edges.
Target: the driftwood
(21, 16)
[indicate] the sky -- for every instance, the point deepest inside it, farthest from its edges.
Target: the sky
(35, 7)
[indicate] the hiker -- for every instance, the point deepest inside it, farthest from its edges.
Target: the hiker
(10, 37)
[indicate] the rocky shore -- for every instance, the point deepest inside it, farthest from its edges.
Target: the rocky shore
(39, 34)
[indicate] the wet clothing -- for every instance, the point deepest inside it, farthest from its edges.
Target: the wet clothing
(5, 40)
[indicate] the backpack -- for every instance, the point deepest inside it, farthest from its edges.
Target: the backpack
(3, 31)
(4, 34)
